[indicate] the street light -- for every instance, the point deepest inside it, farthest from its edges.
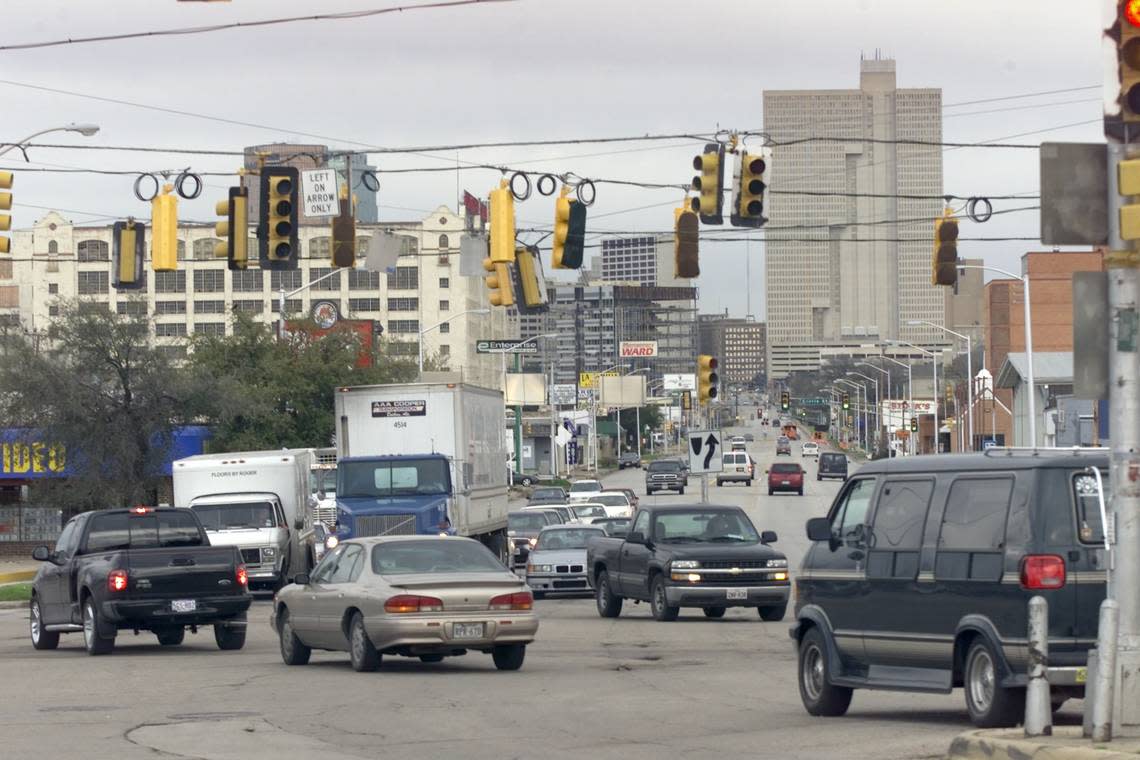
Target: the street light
(637, 415)
(934, 361)
(909, 390)
(878, 402)
(502, 352)
(969, 369)
(594, 411)
(862, 389)
(84, 129)
(438, 324)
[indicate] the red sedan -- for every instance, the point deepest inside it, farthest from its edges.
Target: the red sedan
(786, 477)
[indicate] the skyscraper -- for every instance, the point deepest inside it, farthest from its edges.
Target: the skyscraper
(645, 260)
(849, 244)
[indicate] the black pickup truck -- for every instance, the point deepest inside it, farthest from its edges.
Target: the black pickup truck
(705, 555)
(137, 569)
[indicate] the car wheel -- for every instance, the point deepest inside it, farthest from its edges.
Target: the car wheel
(430, 658)
(819, 695)
(719, 483)
(94, 639)
(526, 480)
(659, 603)
(363, 654)
(648, 491)
(773, 613)
(609, 606)
(293, 650)
(171, 637)
(800, 492)
(41, 639)
(714, 612)
(770, 492)
(509, 656)
(989, 705)
(229, 637)
(748, 484)
(819, 477)
(538, 594)
(680, 491)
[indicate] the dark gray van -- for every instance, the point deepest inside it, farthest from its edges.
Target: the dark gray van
(919, 578)
(831, 464)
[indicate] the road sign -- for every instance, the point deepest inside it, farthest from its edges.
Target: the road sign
(564, 394)
(318, 190)
(704, 451)
(680, 382)
(505, 347)
(814, 401)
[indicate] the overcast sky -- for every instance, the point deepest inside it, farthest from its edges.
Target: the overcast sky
(533, 69)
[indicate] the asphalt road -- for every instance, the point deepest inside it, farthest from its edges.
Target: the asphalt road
(629, 688)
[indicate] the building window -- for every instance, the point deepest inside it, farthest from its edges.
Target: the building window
(362, 279)
(363, 304)
(173, 352)
(445, 305)
(293, 306)
(170, 282)
(250, 307)
(404, 278)
(133, 307)
(403, 304)
(403, 326)
(445, 327)
(444, 283)
(332, 283)
(180, 251)
(209, 307)
(290, 279)
(444, 243)
(93, 282)
(402, 348)
(320, 248)
(210, 328)
(53, 310)
(92, 250)
(248, 281)
(409, 246)
(203, 249)
(53, 288)
(170, 329)
(170, 307)
(445, 350)
(53, 247)
(362, 244)
(209, 281)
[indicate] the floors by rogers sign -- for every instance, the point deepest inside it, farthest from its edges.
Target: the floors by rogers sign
(638, 348)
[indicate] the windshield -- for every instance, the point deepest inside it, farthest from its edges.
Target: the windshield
(566, 538)
(667, 466)
(323, 480)
(720, 526)
(431, 556)
(1089, 524)
(585, 486)
(125, 530)
(233, 516)
(590, 511)
(406, 477)
(549, 493)
(786, 468)
(532, 522)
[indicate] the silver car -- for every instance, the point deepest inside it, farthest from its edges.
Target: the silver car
(558, 561)
(415, 596)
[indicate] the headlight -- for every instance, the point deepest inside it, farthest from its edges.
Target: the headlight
(777, 563)
(690, 577)
(268, 552)
(779, 576)
(331, 542)
(684, 564)
(532, 542)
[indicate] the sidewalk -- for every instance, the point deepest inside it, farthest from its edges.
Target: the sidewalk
(1066, 743)
(17, 571)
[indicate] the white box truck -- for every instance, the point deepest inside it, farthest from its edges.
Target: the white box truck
(259, 501)
(422, 458)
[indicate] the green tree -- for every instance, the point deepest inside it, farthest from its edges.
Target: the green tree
(650, 417)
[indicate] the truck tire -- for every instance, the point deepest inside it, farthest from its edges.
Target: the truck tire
(361, 651)
(658, 603)
(95, 638)
(509, 656)
(41, 639)
(819, 695)
(499, 546)
(609, 606)
(170, 637)
(229, 637)
(715, 612)
(293, 650)
(989, 705)
(773, 613)
(681, 491)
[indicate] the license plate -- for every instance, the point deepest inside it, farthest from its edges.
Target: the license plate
(183, 605)
(786, 482)
(467, 631)
(1082, 675)
(736, 593)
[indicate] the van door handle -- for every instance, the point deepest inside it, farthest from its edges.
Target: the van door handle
(856, 554)
(1074, 555)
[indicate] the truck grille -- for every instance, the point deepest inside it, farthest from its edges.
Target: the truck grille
(251, 556)
(728, 564)
(386, 525)
(568, 568)
(326, 514)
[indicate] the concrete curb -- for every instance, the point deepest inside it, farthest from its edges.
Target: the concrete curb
(14, 605)
(1012, 744)
(17, 576)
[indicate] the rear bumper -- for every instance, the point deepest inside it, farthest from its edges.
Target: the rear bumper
(664, 485)
(733, 477)
(717, 596)
(426, 634)
(790, 487)
(148, 613)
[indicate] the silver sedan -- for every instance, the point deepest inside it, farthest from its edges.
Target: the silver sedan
(415, 596)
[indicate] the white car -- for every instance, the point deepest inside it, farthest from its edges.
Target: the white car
(568, 514)
(589, 511)
(585, 490)
(810, 449)
(616, 504)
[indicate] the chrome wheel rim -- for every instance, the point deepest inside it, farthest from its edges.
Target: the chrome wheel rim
(603, 592)
(287, 638)
(659, 596)
(358, 643)
(812, 673)
(35, 622)
(88, 625)
(982, 680)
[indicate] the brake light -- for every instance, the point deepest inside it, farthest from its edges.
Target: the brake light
(242, 576)
(402, 603)
(141, 510)
(522, 600)
(1042, 571)
(117, 580)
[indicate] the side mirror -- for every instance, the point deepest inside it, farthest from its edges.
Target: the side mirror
(41, 554)
(635, 537)
(819, 529)
(768, 537)
(301, 579)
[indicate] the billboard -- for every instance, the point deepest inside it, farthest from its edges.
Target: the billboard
(897, 412)
(680, 382)
(622, 391)
(527, 389)
(637, 349)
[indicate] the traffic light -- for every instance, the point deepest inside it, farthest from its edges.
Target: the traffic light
(234, 231)
(277, 218)
(530, 292)
(846, 400)
(502, 224)
(785, 401)
(128, 251)
(914, 424)
(5, 205)
(707, 378)
(1128, 183)
(944, 262)
(569, 232)
(1128, 59)
(164, 230)
(499, 283)
(686, 236)
(748, 192)
(343, 243)
(709, 202)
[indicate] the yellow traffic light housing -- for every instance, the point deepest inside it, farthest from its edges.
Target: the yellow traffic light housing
(709, 202)
(686, 243)
(748, 191)
(569, 232)
(846, 400)
(502, 243)
(707, 378)
(944, 261)
(164, 230)
(531, 296)
(1128, 59)
(343, 244)
(5, 205)
(499, 282)
(128, 251)
(785, 401)
(234, 231)
(1128, 183)
(277, 218)
(914, 424)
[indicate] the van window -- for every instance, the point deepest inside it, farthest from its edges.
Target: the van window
(1089, 527)
(901, 514)
(847, 522)
(975, 515)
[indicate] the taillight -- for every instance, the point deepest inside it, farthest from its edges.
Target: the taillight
(522, 600)
(242, 576)
(413, 603)
(117, 580)
(1042, 571)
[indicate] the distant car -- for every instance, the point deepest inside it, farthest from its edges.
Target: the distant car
(616, 504)
(613, 526)
(589, 512)
(810, 449)
(416, 596)
(738, 443)
(549, 495)
(581, 490)
(558, 560)
(562, 510)
(629, 494)
(783, 446)
(775, 423)
(523, 528)
(749, 437)
(664, 475)
(629, 459)
(786, 477)
(736, 467)
(832, 464)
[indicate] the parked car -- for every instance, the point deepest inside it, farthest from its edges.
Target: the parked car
(558, 560)
(523, 528)
(810, 449)
(736, 467)
(414, 596)
(616, 504)
(920, 575)
(783, 446)
(787, 476)
(705, 556)
(581, 490)
(831, 464)
(664, 475)
(564, 511)
(549, 495)
(629, 459)
(629, 494)
(613, 526)
(140, 569)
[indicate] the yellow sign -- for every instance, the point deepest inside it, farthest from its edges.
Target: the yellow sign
(30, 459)
(586, 380)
